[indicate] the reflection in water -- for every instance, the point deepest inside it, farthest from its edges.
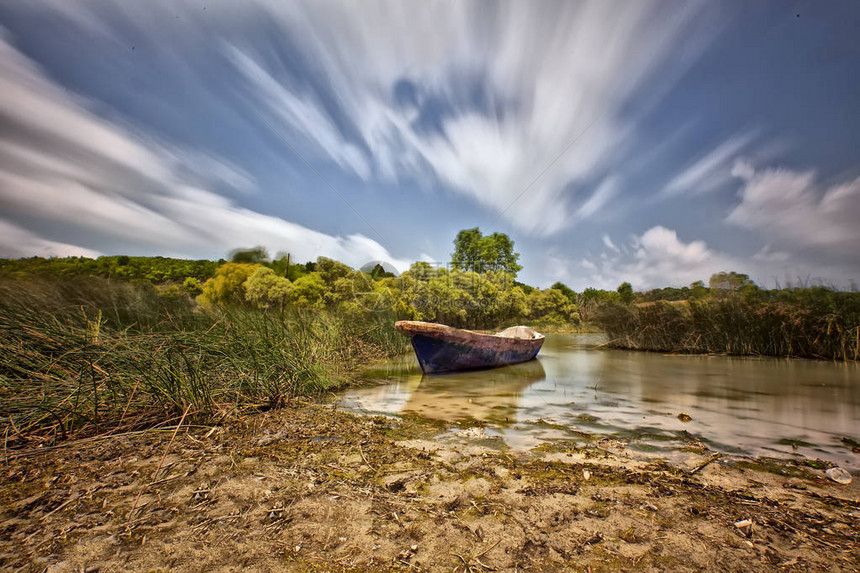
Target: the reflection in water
(485, 395)
(752, 405)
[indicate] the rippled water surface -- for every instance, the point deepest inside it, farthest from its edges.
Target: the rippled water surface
(755, 406)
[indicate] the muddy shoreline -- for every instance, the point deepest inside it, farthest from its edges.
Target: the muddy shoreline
(310, 488)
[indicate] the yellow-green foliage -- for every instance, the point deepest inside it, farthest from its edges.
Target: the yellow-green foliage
(456, 297)
(265, 289)
(460, 298)
(308, 291)
(156, 270)
(551, 306)
(227, 286)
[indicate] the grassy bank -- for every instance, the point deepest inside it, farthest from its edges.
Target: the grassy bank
(81, 357)
(812, 323)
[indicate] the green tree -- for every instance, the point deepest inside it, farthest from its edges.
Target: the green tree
(565, 290)
(549, 305)
(475, 252)
(626, 292)
(467, 249)
(698, 290)
(255, 255)
(331, 270)
(378, 272)
(281, 264)
(192, 285)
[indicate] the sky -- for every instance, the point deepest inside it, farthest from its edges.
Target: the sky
(643, 141)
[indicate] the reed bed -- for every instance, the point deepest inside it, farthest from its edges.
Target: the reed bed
(804, 327)
(87, 357)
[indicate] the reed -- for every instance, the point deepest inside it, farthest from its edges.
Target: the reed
(801, 326)
(90, 356)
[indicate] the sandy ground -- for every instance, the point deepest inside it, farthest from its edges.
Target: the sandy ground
(309, 488)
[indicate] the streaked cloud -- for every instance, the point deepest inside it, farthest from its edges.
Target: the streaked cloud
(521, 83)
(526, 109)
(60, 164)
(171, 127)
(709, 170)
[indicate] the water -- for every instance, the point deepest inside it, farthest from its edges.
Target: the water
(749, 406)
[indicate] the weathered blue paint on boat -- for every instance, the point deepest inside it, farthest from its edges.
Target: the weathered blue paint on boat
(440, 348)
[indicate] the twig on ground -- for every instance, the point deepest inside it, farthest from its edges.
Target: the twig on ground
(714, 457)
(370, 465)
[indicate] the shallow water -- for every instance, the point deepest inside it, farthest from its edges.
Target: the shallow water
(751, 406)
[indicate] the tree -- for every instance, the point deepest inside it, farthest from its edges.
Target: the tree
(378, 272)
(308, 291)
(475, 252)
(591, 298)
(281, 264)
(565, 290)
(549, 305)
(227, 286)
(698, 290)
(255, 255)
(191, 285)
(626, 292)
(331, 270)
(729, 281)
(265, 289)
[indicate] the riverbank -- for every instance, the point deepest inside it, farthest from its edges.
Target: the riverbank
(310, 488)
(805, 323)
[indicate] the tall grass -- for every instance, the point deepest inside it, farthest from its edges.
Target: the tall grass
(83, 357)
(804, 327)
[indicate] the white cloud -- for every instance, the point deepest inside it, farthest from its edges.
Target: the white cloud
(659, 258)
(16, 242)
(767, 254)
(62, 164)
(790, 210)
(709, 170)
(607, 240)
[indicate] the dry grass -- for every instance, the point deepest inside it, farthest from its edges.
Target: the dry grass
(799, 328)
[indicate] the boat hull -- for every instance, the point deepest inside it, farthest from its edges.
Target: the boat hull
(444, 349)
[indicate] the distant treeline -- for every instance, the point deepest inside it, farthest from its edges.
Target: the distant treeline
(156, 270)
(733, 315)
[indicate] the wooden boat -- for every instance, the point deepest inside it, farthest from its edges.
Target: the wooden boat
(441, 348)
